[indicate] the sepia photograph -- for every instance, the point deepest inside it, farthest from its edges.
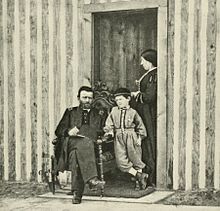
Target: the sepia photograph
(110, 105)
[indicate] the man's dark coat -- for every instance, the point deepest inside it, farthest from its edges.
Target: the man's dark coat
(73, 118)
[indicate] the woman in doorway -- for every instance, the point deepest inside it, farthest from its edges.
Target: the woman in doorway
(146, 105)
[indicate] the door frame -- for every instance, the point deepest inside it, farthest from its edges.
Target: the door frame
(87, 67)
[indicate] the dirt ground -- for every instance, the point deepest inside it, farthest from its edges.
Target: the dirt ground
(28, 190)
(196, 198)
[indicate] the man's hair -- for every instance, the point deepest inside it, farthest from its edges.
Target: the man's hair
(85, 88)
(122, 92)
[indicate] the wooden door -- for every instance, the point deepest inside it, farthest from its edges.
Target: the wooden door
(119, 38)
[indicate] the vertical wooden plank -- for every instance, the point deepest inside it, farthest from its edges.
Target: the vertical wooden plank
(33, 87)
(121, 62)
(189, 96)
(56, 61)
(45, 83)
(96, 49)
(170, 97)
(39, 88)
(69, 53)
(210, 93)
(217, 102)
(63, 54)
(22, 90)
(17, 91)
(196, 97)
(161, 98)
(87, 47)
(1, 95)
(130, 44)
(75, 59)
(176, 97)
(115, 42)
(80, 43)
(27, 88)
(203, 45)
(106, 49)
(182, 106)
(51, 75)
(5, 67)
(11, 89)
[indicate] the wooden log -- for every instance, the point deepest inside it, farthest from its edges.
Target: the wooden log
(62, 36)
(5, 88)
(161, 99)
(51, 77)
(80, 42)
(123, 5)
(176, 94)
(203, 46)
(57, 70)
(39, 89)
(87, 44)
(17, 91)
(217, 102)
(45, 84)
(75, 59)
(170, 97)
(28, 90)
(11, 89)
(69, 53)
(22, 90)
(182, 115)
(1, 96)
(210, 94)
(33, 87)
(196, 98)
(189, 96)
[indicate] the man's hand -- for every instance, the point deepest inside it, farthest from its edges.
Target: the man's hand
(73, 131)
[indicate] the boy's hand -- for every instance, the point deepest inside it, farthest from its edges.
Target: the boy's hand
(109, 135)
(138, 141)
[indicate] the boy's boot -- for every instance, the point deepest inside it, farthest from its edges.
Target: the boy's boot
(142, 178)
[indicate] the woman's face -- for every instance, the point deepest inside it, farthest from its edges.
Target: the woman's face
(146, 64)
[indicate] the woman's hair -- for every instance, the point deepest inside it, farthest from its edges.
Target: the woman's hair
(122, 91)
(150, 55)
(85, 88)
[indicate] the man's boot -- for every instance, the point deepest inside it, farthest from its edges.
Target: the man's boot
(77, 198)
(95, 184)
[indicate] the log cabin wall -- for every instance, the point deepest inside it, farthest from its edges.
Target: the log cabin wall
(42, 65)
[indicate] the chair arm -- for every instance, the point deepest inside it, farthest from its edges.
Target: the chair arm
(104, 139)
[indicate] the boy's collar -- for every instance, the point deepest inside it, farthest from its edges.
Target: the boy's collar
(125, 108)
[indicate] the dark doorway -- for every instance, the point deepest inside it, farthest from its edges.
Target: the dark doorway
(119, 38)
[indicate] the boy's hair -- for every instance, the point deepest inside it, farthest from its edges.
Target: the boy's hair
(123, 91)
(85, 88)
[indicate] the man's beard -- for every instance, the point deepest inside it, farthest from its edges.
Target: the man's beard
(86, 105)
